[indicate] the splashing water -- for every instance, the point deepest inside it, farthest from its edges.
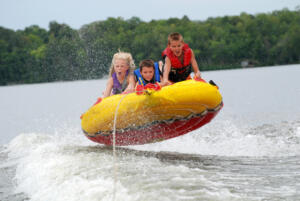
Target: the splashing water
(249, 152)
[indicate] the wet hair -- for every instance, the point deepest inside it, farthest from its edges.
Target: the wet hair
(125, 56)
(146, 63)
(175, 36)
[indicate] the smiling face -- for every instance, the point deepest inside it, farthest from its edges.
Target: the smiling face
(176, 47)
(147, 72)
(121, 66)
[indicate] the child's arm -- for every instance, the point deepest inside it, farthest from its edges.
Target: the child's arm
(195, 66)
(167, 68)
(160, 66)
(108, 89)
(131, 84)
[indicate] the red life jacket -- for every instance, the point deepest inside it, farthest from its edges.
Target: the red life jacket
(179, 71)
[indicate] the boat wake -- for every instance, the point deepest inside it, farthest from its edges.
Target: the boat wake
(36, 165)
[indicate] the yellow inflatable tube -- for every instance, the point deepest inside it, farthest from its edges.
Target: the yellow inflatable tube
(177, 101)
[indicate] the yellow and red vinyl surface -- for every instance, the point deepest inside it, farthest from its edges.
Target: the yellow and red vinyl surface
(154, 115)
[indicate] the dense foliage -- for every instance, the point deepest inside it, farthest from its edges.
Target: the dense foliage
(62, 53)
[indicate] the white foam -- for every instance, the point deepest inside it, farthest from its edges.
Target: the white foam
(49, 168)
(65, 167)
(224, 138)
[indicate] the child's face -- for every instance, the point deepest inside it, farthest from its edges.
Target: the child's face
(176, 47)
(121, 66)
(147, 72)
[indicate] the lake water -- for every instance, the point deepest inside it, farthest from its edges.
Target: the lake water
(250, 151)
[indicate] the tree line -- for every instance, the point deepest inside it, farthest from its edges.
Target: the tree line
(36, 55)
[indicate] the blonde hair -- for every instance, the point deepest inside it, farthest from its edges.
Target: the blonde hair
(125, 56)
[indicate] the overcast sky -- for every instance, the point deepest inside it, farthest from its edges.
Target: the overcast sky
(18, 14)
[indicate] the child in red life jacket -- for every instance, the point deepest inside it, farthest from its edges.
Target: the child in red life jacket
(179, 61)
(148, 75)
(121, 78)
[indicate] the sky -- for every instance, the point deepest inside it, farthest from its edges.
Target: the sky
(19, 14)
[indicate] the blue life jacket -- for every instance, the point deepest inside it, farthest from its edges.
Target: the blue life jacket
(140, 78)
